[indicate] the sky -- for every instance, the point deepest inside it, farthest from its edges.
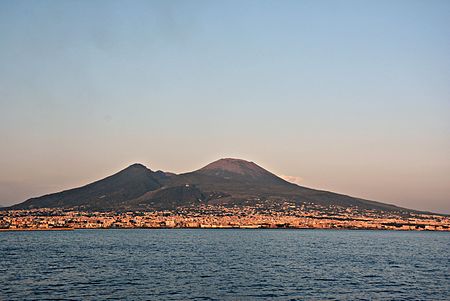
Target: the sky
(347, 96)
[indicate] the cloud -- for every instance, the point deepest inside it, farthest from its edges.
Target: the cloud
(292, 179)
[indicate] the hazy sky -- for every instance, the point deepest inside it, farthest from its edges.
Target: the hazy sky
(348, 96)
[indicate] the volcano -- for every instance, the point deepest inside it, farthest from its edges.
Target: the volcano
(226, 181)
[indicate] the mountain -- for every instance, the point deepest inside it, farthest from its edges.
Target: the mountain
(107, 193)
(226, 181)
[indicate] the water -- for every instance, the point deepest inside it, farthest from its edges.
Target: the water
(224, 265)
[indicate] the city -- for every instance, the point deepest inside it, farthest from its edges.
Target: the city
(261, 215)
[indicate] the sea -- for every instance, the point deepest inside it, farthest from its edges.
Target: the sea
(228, 264)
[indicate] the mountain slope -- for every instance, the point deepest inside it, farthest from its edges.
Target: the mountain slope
(169, 198)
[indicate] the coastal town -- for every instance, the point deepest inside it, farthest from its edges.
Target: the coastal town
(277, 215)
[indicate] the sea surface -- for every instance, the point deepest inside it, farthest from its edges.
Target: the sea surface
(211, 264)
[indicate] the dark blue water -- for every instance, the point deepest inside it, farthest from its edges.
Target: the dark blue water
(224, 265)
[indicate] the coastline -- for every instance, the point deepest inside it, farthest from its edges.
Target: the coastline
(216, 228)
(36, 229)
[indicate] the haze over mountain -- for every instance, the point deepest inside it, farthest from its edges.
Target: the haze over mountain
(225, 181)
